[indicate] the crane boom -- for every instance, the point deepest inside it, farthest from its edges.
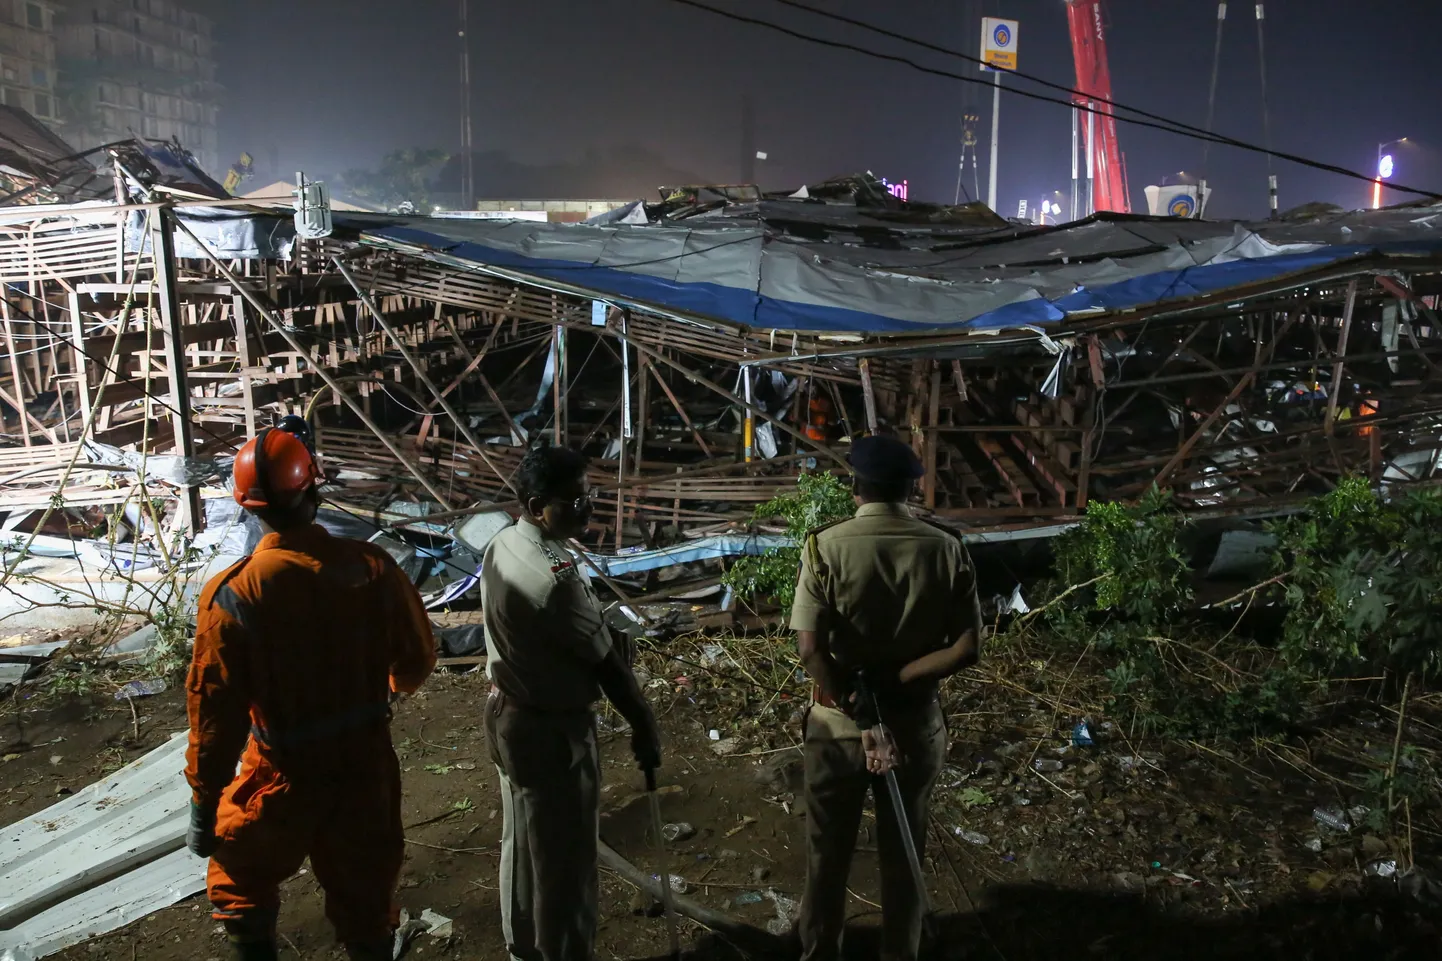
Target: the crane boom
(1094, 80)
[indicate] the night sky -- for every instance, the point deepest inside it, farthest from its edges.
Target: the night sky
(648, 89)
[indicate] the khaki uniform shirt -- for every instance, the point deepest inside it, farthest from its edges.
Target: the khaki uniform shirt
(887, 588)
(544, 630)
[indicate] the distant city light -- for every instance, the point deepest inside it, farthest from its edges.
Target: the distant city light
(1385, 167)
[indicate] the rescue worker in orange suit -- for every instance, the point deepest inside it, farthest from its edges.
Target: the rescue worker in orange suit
(298, 649)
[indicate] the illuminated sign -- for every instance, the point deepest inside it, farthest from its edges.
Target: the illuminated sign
(896, 190)
(1385, 167)
(1182, 205)
(998, 43)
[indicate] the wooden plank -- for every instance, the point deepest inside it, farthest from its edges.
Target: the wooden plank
(1023, 491)
(152, 338)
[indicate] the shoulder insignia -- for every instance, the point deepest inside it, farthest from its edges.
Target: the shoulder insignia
(562, 565)
(826, 527)
(941, 527)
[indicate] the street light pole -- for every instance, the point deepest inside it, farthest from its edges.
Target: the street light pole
(995, 130)
(468, 175)
(1377, 183)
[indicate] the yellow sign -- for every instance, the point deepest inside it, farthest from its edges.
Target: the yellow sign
(998, 43)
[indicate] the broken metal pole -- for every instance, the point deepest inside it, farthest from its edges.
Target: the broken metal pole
(317, 366)
(163, 252)
(1341, 354)
(744, 935)
(868, 394)
(694, 377)
(685, 417)
(422, 376)
(1232, 395)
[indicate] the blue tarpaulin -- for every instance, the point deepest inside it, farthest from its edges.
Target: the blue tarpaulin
(744, 272)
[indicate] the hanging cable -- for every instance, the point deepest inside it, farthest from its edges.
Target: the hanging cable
(1212, 92)
(1094, 106)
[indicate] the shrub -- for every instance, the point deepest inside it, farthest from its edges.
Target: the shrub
(818, 499)
(1132, 552)
(1363, 580)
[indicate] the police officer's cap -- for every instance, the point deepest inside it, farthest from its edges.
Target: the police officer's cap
(884, 459)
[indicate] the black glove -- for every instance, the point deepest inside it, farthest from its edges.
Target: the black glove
(200, 835)
(862, 702)
(646, 745)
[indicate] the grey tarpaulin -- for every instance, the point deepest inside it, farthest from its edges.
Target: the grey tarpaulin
(180, 471)
(230, 234)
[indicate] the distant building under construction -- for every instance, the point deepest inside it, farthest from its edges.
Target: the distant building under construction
(135, 68)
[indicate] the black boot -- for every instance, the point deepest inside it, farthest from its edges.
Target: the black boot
(380, 950)
(252, 936)
(254, 951)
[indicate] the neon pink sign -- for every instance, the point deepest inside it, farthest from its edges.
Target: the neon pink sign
(896, 190)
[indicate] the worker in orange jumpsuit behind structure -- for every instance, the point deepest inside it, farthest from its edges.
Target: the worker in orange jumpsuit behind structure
(298, 649)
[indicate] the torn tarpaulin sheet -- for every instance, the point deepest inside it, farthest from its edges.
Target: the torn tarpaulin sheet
(180, 471)
(121, 558)
(463, 641)
(701, 549)
(455, 590)
(229, 234)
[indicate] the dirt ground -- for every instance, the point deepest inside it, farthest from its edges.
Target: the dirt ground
(1128, 851)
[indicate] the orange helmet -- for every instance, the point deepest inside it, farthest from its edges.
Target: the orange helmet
(274, 469)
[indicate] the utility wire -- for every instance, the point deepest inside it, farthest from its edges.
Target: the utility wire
(1262, 67)
(1212, 91)
(1096, 106)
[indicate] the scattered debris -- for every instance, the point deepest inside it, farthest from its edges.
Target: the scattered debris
(746, 821)
(678, 831)
(726, 746)
(143, 687)
(437, 925)
(787, 912)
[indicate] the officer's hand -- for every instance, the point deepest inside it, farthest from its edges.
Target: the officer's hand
(200, 835)
(880, 748)
(646, 744)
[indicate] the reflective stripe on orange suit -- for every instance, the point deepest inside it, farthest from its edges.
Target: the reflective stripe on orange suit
(297, 649)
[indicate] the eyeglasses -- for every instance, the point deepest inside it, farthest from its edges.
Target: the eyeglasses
(584, 501)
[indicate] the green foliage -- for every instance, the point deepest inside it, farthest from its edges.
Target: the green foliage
(818, 499)
(1363, 581)
(74, 676)
(169, 656)
(1132, 553)
(1415, 781)
(974, 797)
(404, 176)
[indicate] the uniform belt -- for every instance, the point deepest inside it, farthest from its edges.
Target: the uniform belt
(325, 727)
(511, 701)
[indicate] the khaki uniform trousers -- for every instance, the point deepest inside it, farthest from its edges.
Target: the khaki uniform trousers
(550, 771)
(836, 786)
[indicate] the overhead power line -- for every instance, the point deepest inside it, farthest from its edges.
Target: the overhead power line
(1157, 123)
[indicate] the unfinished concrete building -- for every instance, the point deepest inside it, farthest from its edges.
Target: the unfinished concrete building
(138, 68)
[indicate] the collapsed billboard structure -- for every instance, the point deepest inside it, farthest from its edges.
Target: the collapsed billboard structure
(706, 348)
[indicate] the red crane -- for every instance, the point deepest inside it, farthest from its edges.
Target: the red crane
(1094, 80)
